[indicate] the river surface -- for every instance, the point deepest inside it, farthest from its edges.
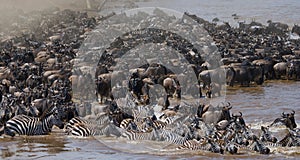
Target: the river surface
(260, 105)
(287, 11)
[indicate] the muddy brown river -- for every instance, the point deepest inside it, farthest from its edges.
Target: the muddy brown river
(259, 105)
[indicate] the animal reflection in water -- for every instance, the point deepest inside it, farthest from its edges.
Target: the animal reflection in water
(212, 129)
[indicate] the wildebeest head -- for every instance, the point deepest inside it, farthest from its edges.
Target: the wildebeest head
(238, 119)
(226, 111)
(216, 114)
(289, 119)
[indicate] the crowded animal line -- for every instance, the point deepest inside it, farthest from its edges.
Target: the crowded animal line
(37, 77)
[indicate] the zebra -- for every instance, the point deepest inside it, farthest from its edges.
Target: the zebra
(239, 138)
(88, 129)
(248, 133)
(260, 147)
(205, 144)
(256, 145)
(290, 139)
(172, 137)
(214, 146)
(194, 145)
(167, 120)
(101, 119)
(128, 124)
(27, 125)
(266, 135)
(80, 129)
(153, 123)
(77, 127)
(136, 135)
(101, 125)
(231, 147)
(76, 120)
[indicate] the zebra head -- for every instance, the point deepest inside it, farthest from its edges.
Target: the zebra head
(240, 138)
(55, 118)
(267, 135)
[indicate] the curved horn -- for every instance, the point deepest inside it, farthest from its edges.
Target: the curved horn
(283, 114)
(293, 112)
(229, 107)
(228, 103)
(241, 114)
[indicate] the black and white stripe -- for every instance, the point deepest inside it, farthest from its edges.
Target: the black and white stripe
(260, 147)
(172, 137)
(86, 130)
(128, 124)
(290, 140)
(26, 125)
(266, 135)
(155, 124)
(80, 129)
(135, 135)
(205, 145)
(194, 145)
(78, 126)
(256, 146)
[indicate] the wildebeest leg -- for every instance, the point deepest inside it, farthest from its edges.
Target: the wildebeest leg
(248, 83)
(200, 91)
(209, 94)
(102, 99)
(97, 98)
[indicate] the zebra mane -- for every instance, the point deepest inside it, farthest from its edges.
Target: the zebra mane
(48, 111)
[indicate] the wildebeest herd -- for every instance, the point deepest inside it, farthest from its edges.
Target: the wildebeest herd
(36, 85)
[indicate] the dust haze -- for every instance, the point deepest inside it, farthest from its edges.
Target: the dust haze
(11, 10)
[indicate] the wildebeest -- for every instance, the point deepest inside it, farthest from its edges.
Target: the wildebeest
(213, 89)
(238, 119)
(172, 87)
(135, 85)
(216, 114)
(286, 119)
(293, 70)
(280, 69)
(103, 87)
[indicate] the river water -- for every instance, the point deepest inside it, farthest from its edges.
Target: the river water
(287, 11)
(260, 105)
